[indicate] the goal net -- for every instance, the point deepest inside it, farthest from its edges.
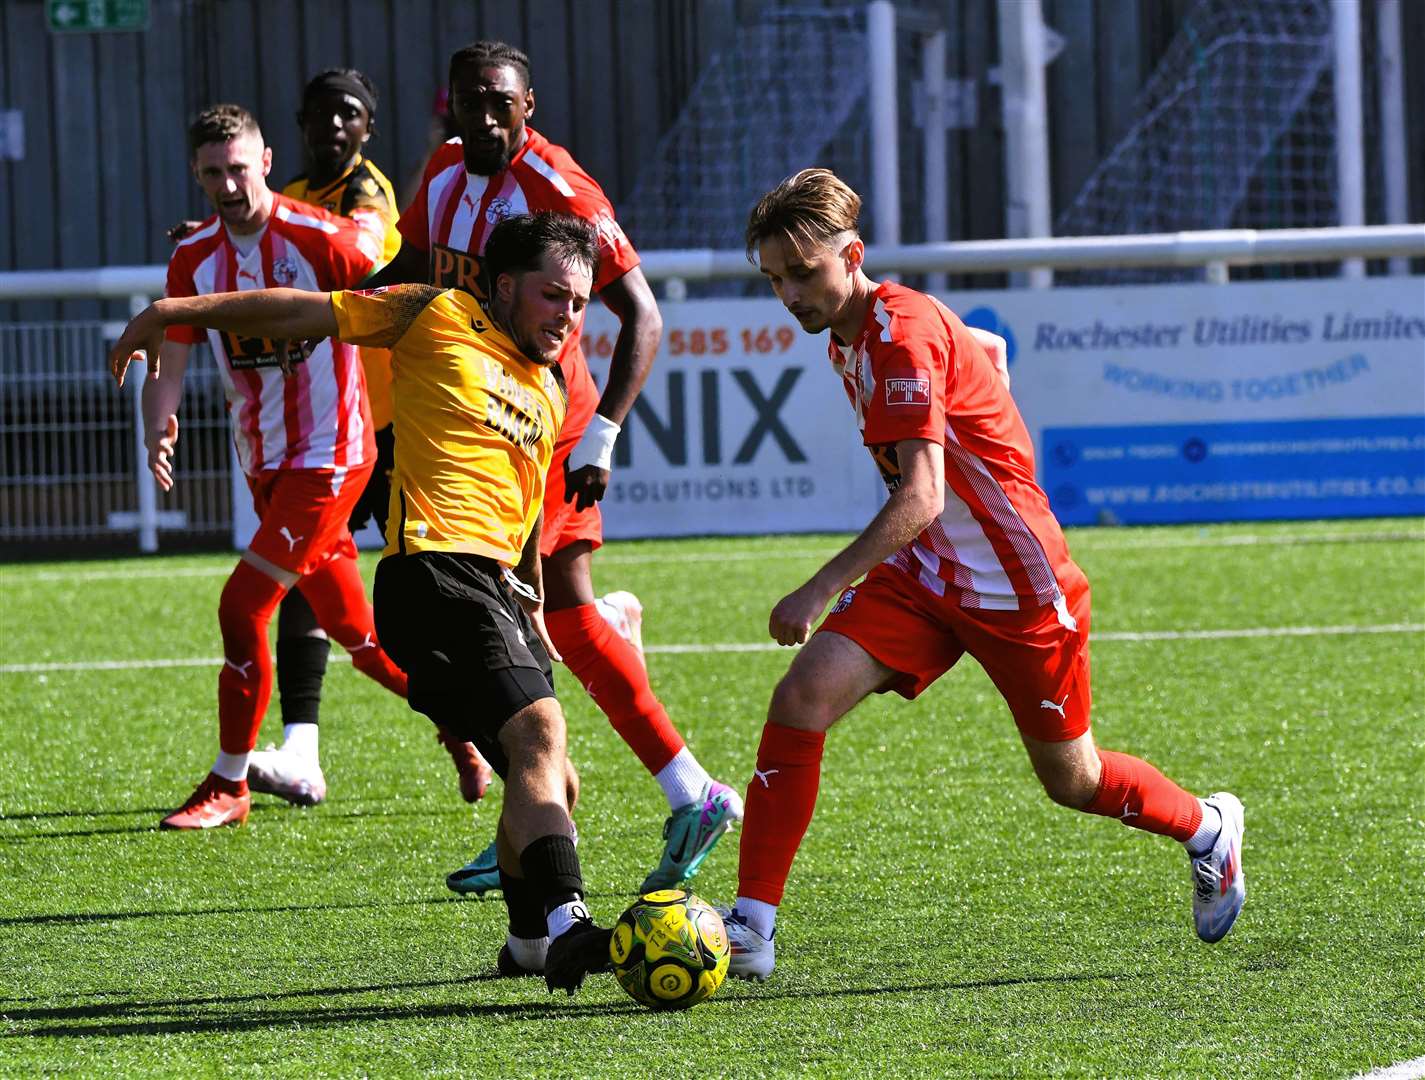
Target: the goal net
(1236, 128)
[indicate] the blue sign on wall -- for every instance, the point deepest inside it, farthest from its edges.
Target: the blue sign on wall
(1164, 473)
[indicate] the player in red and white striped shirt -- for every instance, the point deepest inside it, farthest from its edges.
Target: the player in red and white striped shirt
(499, 167)
(964, 557)
(302, 427)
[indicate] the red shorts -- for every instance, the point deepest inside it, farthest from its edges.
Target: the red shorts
(1037, 661)
(304, 513)
(563, 525)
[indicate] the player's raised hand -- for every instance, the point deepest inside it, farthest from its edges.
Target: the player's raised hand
(141, 339)
(585, 486)
(586, 470)
(794, 614)
(160, 451)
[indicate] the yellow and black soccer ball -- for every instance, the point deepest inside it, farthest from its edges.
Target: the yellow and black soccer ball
(669, 950)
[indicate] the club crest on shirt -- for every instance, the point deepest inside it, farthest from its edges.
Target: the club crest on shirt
(284, 270)
(907, 390)
(498, 210)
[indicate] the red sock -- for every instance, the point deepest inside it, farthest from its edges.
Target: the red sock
(780, 801)
(245, 684)
(338, 598)
(614, 675)
(1139, 795)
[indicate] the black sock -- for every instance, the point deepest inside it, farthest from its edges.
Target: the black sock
(526, 912)
(301, 660)
(551, 868)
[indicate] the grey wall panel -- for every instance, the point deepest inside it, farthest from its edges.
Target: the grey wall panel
(106, 167)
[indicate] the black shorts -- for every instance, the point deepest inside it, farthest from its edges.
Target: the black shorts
(375, 501)
(471, 653)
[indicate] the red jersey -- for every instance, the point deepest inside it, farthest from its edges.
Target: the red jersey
(318, 417)
(454, 211)
(916, 372)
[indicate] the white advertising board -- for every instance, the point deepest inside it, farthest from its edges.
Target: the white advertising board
(1147, 404)
(741, 428)
(1295, 399)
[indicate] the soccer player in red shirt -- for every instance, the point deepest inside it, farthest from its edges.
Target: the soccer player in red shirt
(496, 168)
(302, 428)
(964, 557)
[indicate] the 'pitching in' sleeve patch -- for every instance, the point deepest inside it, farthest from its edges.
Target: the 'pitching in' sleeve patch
(910, 388)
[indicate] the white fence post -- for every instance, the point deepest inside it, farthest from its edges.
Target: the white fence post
(144, 483)
(932, 74)
(1346, 80)
(885, 122)
(1390, 62)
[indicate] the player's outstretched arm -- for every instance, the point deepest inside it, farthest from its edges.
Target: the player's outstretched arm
(912, 506)
(640, 328)
(293, 314)
(161, 395)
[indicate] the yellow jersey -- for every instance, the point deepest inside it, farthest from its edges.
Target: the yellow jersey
(363, 194)
(476, 420)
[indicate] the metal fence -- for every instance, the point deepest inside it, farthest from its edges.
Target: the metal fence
(71, 475)
(70, 444)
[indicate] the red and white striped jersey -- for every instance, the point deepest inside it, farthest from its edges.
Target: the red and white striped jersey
(917, 372)
(317, 417)
(454, 211)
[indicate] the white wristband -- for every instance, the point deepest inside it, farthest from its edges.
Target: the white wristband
(597, 445)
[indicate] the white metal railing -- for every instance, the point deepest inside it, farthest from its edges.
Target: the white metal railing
(1223, 247)
(1215, 250)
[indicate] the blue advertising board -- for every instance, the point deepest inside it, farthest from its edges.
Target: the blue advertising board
(1157, 473)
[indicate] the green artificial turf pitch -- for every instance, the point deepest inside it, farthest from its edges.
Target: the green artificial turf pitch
(943, 917)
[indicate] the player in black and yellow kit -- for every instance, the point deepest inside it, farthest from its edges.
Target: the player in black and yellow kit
(479, 403)
(338, 119)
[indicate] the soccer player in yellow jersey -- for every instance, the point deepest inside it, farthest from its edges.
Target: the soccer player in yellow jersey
(338, 119)
(479, 403)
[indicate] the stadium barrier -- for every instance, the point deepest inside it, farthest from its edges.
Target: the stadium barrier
(1148, 403)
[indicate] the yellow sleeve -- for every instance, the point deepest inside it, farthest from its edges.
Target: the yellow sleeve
(379, 317)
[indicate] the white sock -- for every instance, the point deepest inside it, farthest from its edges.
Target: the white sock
(231, 766)
(758, 914)
(528, 952)
(564, 916)
(301, 739)
(683, 780)
(1200, 843)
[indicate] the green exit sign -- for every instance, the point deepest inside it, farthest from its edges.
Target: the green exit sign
(89, 15)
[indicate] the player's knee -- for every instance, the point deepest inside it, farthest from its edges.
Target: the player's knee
(534, 739)
(1068, 785)
(798, 702)
(571, 782)
(240, 612)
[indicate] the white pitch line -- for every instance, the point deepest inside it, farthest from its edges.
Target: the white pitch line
(1413, 1069)
(772, 646)
(1083, 544)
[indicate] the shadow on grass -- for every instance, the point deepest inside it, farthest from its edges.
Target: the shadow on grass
(247, 909)
(261, 806)
(318, 1018)
(41, 815)
(79, 917)
(127, 1017)
(151, 813)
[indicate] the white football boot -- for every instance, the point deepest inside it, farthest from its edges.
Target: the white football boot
(288, 775)
(753, 956)
(1218, 885)
(624, 613)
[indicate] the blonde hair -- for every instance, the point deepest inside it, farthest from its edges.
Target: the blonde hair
(808, 208)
